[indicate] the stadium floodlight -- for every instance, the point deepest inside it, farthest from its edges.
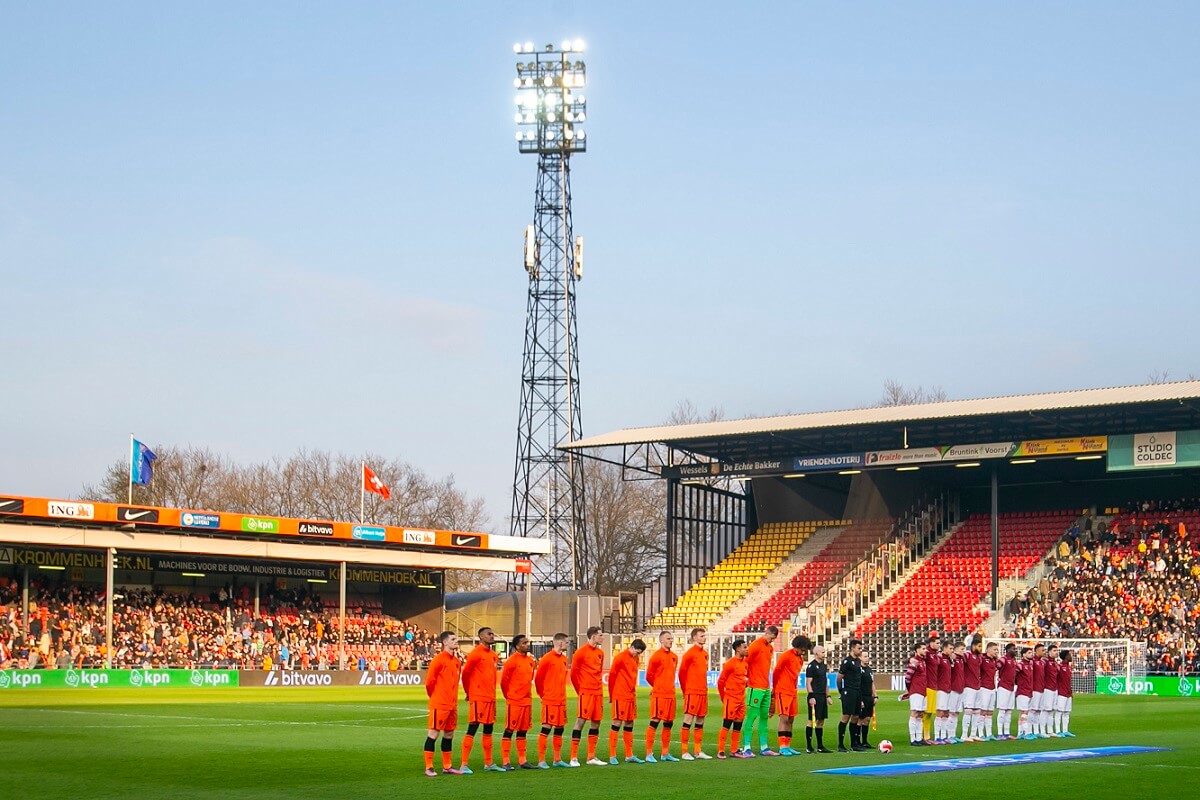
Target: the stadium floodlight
(967, 465)
(545, 103)
(1023, 461)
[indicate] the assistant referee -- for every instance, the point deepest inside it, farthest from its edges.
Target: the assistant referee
(849, 683)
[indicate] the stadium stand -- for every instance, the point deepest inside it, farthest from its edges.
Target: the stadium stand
(737, 574)
(1136, 577)
(943, 592)
(815, 577)
(157, 629)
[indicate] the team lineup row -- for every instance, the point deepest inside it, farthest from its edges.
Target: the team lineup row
(944, 680)
(744, 687)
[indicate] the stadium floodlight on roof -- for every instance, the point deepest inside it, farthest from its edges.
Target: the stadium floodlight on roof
(548, 496)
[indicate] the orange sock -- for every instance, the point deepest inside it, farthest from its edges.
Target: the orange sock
(447, 759)
(785, 740)
(666, 741)
(468, 743)
(721, 740)
(487, 750)
(685, 734)
(574, 748)
(542, 746)
(520, 751)
(627, 738)
(593, 740)
(698, 738)
(558, 748)
(649, 741)
(612, 744)
(737, 737)
(505, 749)
(428, 759)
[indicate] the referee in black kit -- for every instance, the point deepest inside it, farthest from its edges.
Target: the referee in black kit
(866, 708)
(849, 683)
(817, 678)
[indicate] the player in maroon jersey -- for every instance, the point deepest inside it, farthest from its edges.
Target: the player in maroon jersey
(989, 668)
(1026, 668)
(915, 685)
(1006, 691)
(1039, 687)
(942, 730)
(972, 664)
(1049, 691)
(1062, 710)
(933, 660)
(958, 682)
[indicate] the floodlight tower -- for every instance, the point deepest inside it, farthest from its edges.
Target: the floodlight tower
(548, 498)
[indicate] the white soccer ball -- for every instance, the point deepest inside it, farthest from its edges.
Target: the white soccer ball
(885, 746)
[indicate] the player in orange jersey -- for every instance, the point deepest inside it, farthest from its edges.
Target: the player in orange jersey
(660, 674)
(731, 688)
(550, 680)
(784, 680)
(693, 679)
(516, 684)
(479, 679)
(622, 692)
(758, 689)
(587, 676)
(441, 684)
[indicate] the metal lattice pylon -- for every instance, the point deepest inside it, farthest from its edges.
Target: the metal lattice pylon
(548, 494)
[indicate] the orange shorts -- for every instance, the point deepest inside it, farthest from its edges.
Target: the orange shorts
(786, 705)
(591, 707)
(483, 712)
(662, 708)
(554, 716)
(695, 704)
(441, 719)
(734, 708)
(518, 718)
(624, 710)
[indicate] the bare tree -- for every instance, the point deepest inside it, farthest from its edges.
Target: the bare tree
(686, 413)
(897, 394)
(314, 485)
(1159, 376)
(624, 527)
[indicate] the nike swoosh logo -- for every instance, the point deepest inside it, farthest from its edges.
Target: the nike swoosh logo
(131, 515)
(4, 503)
(460, 540)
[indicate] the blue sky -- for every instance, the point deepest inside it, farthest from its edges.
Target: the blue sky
(260, 227)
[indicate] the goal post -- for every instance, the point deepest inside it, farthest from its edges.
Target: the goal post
(1121, 662)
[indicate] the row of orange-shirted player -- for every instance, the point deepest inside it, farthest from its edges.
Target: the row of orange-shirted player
(742, 677)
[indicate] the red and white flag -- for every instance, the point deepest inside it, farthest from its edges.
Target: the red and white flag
(371, 483)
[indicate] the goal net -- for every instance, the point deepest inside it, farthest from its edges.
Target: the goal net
(1120, 662)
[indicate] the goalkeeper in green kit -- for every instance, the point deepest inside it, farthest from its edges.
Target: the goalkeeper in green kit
(759, 660)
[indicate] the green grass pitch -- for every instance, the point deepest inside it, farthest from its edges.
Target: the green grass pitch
(358, 743)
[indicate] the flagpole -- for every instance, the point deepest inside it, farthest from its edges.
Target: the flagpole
(362, 492)
(131, 454)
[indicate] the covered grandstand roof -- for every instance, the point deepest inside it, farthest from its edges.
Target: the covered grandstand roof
(1123, 409)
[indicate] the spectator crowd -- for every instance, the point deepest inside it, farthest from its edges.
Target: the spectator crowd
(1137, 578)
(154, 629)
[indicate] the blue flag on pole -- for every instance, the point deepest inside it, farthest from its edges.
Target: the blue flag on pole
(141, 465)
